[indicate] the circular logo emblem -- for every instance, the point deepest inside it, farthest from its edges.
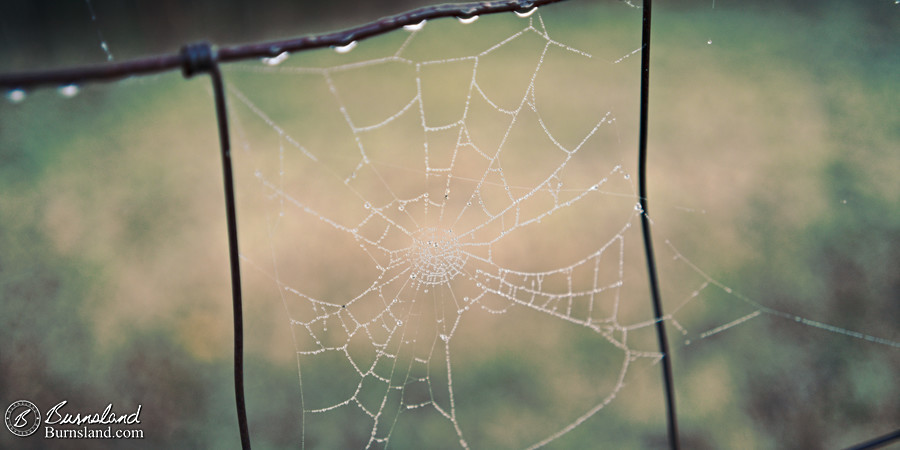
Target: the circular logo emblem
(22, 418)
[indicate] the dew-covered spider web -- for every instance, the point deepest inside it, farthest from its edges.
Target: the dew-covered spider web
(426, 194)
(449, 218)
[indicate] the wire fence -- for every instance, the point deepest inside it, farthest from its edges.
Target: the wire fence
(204, 58)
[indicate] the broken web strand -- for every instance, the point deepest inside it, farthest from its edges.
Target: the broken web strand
(103, 44)
(758, 310)
(438, 257)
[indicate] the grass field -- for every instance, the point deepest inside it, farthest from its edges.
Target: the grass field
(773, 171)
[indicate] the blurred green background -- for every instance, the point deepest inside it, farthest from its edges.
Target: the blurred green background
(773, 167)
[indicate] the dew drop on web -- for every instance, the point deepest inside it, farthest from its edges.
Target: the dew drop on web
(527, 12)
(69, 90)
(16, 95)
(276, 60)
(415, 26)
(105, 47)
(345, 48)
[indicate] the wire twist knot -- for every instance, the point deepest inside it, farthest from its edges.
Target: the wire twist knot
(199, 57)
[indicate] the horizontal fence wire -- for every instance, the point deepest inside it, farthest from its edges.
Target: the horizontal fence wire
(878, 442)
(169, 62)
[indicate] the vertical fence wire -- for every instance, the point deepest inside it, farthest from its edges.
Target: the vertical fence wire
(197, 59)
(671, 416)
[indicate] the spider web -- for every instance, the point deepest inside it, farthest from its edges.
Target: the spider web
(427, 235)
(427, 213)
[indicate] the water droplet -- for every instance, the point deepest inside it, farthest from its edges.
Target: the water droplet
(400, 207)
(425, 195)
(69, 90)
(345, 48)
(415, 26)
(526, 13)
(16, 95)
(467, 20)
(594, 187)
(444, 337)
(399, 322)
(367, 205)
(105, 47)
(276, 60)
(844, 201)
(709, 42)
